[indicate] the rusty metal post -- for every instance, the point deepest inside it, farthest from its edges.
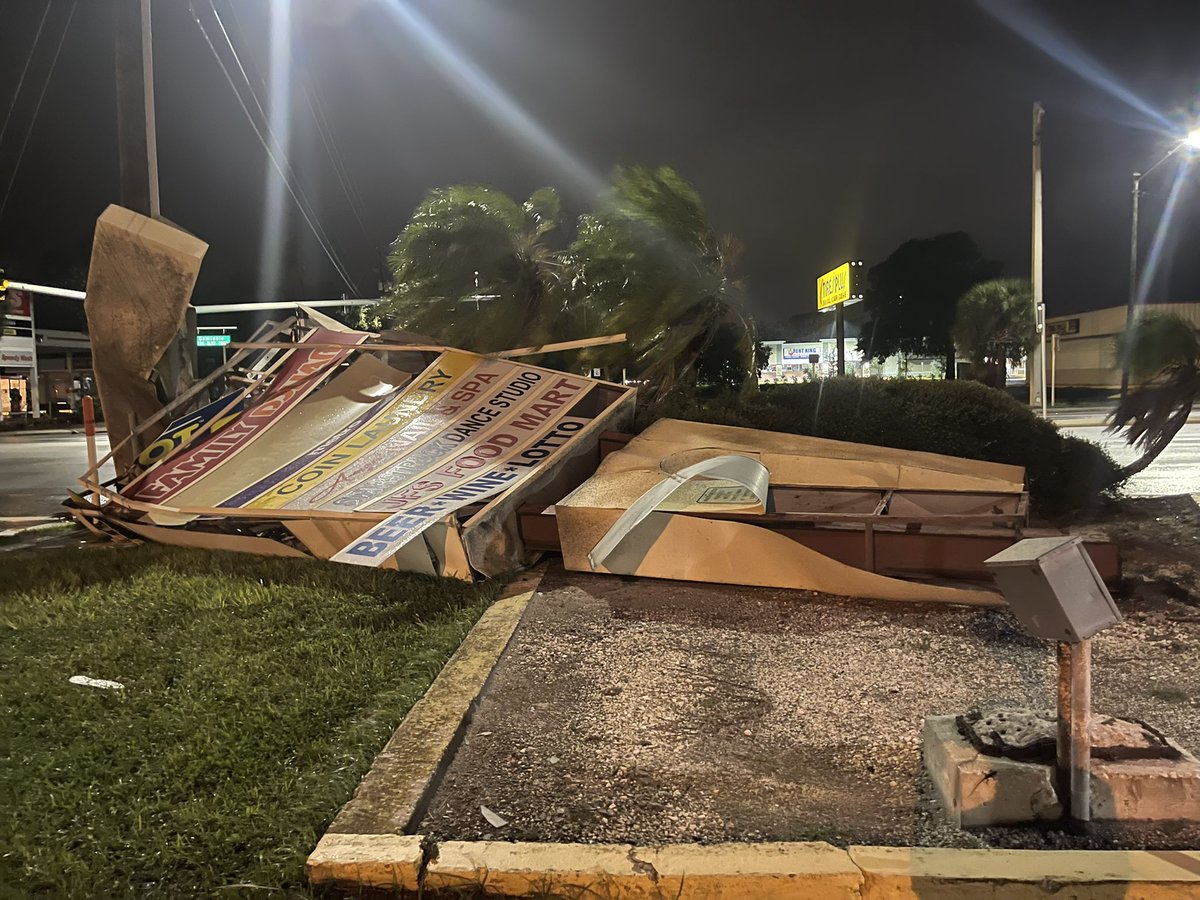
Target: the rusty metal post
(1081, 740)
(1062, 772)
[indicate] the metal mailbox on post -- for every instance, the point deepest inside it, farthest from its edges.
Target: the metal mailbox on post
(1053, 588)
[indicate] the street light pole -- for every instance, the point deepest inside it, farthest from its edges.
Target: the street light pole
(1192, 142)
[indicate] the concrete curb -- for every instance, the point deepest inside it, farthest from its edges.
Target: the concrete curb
(390, 800)
(370, 847)
(779, 871)
(893, 873)
(770, 871)
(29, 525)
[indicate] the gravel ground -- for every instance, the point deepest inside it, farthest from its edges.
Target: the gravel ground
(649, 711)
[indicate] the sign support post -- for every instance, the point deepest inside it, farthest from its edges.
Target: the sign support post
(841, 339)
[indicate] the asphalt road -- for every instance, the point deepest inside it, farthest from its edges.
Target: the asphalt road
(1176, 471)
(37, 470)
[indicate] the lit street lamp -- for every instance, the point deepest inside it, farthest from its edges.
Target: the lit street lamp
(1192, 142)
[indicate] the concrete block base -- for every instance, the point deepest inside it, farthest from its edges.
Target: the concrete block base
(978, 790)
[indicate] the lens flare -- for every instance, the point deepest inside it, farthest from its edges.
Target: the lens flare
(478, 87)
(1048, 38)
(280, 126)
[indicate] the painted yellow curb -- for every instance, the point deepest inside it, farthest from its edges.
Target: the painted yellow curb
(376, 861)
(389, 796)
(364, 845)
(796, 871)
(900, 873)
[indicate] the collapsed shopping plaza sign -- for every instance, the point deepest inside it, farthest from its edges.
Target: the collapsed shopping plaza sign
(373, 455)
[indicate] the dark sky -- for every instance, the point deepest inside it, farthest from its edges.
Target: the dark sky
(815, 131)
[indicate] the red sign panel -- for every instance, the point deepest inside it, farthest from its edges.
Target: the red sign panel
(296, 380)
(20, 304)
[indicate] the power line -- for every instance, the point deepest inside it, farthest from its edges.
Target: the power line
(21, 80)
(316, 92)
(290, 176)
(334, 156)
(38, 108)
(317, 231)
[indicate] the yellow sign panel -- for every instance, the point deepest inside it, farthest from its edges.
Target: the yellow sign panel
(834, 287)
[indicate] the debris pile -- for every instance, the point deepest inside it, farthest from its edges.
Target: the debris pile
(340, 444)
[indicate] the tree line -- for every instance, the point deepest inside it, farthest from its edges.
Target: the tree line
(476, 269)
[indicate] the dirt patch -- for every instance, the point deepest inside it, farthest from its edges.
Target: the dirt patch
(649, 712)
(1159, 539)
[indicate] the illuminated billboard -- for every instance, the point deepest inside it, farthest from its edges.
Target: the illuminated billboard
(834, 287)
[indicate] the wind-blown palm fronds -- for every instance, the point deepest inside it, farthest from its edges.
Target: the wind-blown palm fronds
(648, 263)
(1164, 356)
(472, 268)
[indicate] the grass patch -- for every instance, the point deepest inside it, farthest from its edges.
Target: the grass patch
(257, 693)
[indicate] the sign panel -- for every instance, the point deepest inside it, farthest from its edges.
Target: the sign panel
(180, 431)
(800, 352)
(834, 287)
(382, 541)
(12, 357)
(466, 446)
(371, 446)
(213, 340)
(20, 304)
(299, 376)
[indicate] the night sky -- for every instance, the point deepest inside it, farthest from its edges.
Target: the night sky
(815, 131)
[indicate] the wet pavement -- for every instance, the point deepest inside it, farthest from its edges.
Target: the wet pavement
(37, 470)
(1176, 471)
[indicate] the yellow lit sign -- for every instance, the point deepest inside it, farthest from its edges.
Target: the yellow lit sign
(834, 287)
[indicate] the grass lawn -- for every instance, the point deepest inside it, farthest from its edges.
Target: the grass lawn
(257, 692)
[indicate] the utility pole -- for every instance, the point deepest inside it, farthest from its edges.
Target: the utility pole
(137, 152)
(136, 143)
(1035, 370)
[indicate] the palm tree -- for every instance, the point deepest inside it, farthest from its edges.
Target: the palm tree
(1164, 357)
(994, 321)
(473, 269)
(647, 263)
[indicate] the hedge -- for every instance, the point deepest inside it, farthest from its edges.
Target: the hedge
(960, 418)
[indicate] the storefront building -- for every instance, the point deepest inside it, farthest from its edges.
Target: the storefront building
(43, 372)
(1082, 348)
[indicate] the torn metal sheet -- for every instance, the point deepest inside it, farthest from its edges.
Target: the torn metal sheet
(210, 540)
(741, 478)
(140, 280)
(645, 513)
